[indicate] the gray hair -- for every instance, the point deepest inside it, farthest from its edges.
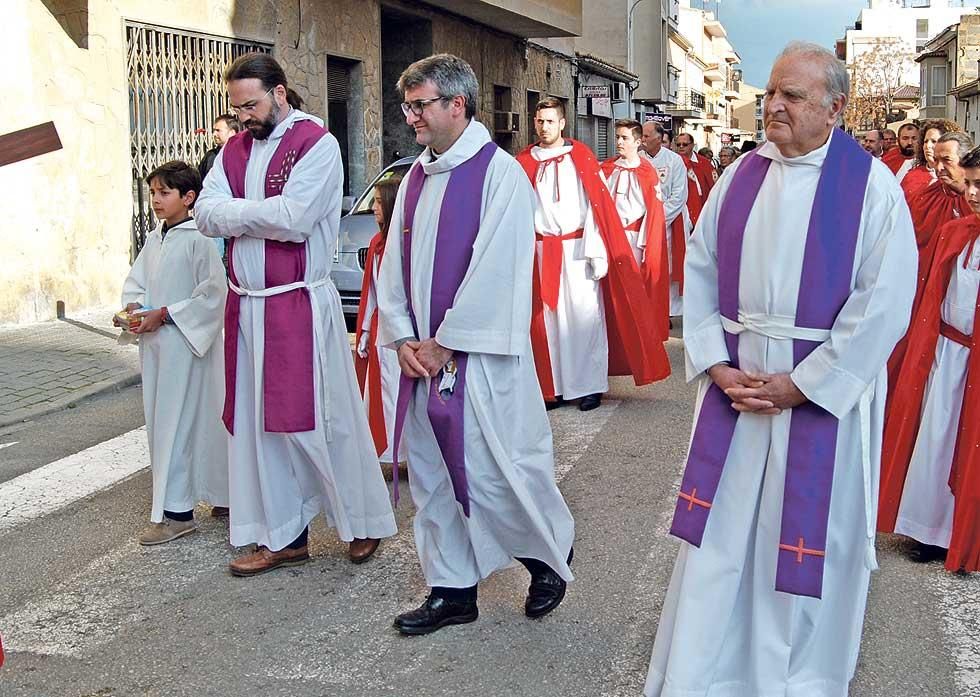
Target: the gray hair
(730, 150)
(451, 75)
(836, 79)
(971, 159)
(962, 140)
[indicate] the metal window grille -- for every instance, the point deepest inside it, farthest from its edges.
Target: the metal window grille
(176, 90)
(362, 257)
(602, 139)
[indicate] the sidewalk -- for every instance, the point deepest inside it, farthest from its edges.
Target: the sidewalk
(49, 366)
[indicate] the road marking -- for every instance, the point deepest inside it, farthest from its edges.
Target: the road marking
(62, 482)
(130, 584)
(959, 605)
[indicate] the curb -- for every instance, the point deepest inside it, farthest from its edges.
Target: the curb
(70, 400)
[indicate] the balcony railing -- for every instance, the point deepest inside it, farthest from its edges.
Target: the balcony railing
(689, 100)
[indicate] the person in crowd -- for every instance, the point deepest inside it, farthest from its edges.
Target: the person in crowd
(454, 295)
(872, 142)
(918, 173)
(726, 156)
(904, 150)
(223, 128)
(378, 372)
(789, 344)
(175, 294)
(300, 440)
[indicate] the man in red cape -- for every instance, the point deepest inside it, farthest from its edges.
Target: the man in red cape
(635, 188)
(931, 440)
(704, 171)
(943, 200)
(920, 172)
(897, 155)
(583, 330)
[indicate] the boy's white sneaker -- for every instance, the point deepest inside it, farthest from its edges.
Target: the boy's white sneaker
(167, 531)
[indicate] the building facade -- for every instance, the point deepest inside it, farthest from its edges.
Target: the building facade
(948, 67)
(747, 113)
(910, 23)
(130, 84)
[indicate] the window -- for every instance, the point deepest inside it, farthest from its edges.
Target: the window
(922, 28)
(937, 86)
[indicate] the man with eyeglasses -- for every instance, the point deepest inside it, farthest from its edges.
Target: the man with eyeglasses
(300, 441)
(455, 299)
(591, 314)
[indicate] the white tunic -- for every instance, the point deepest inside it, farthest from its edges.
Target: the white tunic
(280, 481)
(516, 509)
(905, 169)
(183, 367)
(576, 329)
(673, 185)
(725, 631)
(926, 509)
(390, 371)
(628, 197)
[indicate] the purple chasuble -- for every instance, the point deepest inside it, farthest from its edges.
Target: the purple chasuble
(287, 366)
(825, 285)
(459, 223)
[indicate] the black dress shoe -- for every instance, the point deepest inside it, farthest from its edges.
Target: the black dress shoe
(435, 613)
(590, 402)
(547, 589)
(559, 402)
(923, 554)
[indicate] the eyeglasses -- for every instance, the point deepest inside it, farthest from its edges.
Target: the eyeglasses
(417, 106)
(251, 106)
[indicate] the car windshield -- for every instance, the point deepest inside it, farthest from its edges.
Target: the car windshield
(367, 200)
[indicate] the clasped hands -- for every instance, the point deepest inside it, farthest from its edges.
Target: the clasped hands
(419, 359)
(757, 393)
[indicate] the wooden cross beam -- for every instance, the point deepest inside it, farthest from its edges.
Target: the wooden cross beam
(29, 142)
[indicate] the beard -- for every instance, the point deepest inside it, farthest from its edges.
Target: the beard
(261, 130)
(907, 151)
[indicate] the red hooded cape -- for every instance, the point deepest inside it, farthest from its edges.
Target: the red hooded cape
(654, 267)
(917, 179)
(705, 172)
(903, 412)
(635, 347)
(932, 208)
(369, 369)
(894, 159)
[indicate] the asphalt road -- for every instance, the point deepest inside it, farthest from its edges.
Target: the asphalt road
(86, 612)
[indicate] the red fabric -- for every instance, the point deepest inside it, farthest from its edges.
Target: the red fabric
(654, 226)
(369, 369)
(894, 159)
(932, 208)
(552, 258)
(695, 200)
(635, 347)
(705, 172)
(917, 179)
(903, 412)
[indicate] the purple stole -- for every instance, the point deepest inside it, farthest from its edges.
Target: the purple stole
(459, 223)
(287, 366)
(825, 285)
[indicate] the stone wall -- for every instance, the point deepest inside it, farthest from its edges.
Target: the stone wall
(308, 34)
(68, 235)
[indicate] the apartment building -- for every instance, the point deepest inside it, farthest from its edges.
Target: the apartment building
(950, 68)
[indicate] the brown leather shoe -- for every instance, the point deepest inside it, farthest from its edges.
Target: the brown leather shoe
(361, 550)
(219, 511)
(262, 560)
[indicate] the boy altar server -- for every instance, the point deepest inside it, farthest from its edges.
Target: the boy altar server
(178, 273)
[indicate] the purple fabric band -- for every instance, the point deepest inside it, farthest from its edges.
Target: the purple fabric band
(459, 223)
(287, 365)
(825, 286)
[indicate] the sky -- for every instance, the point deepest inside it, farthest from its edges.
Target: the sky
(759, 29)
